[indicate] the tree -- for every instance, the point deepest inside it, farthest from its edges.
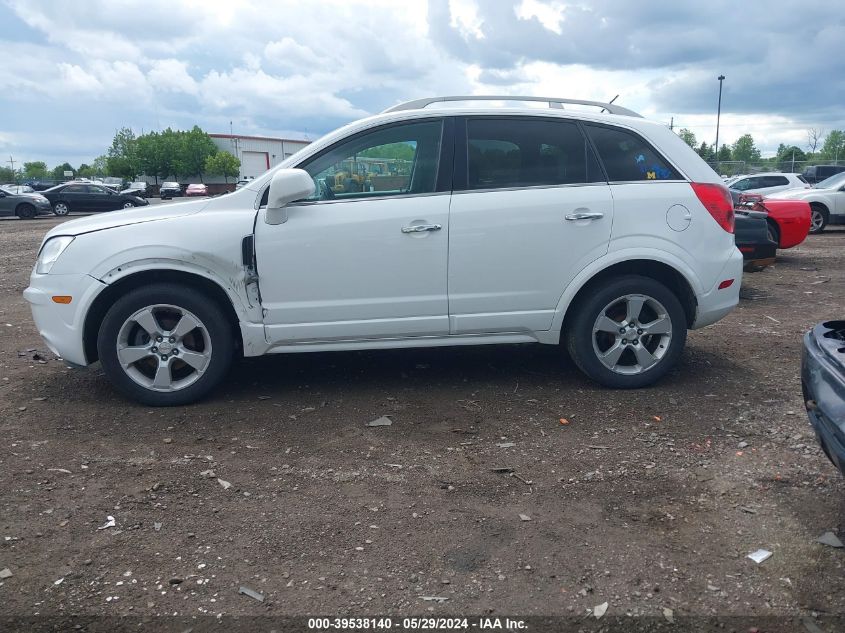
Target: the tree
(688, 137)
(7, 175)
(788, 155)
(195, 147)
(36, 170)
(834, 146)
(725, 153)
(706, 152)
(814, 137)
(744, 149)
(86, 171)
(150, 157)
(100, 166)
(123, 154)
(59, 171)
(223, 164)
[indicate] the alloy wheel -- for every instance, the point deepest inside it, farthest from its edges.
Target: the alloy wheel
(816, 221)
(632, 334)
(164, 347)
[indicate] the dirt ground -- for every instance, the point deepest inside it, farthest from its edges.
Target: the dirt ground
(646, 500)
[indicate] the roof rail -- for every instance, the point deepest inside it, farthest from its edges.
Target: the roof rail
(553, 102)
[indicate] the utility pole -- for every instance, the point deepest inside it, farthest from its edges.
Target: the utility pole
(11, 161)
(793, 162)
(672, 124)
(721, 78)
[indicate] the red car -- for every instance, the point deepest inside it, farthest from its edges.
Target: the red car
(789, 220)
(196, 190)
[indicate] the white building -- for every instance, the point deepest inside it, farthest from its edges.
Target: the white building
(257, 153)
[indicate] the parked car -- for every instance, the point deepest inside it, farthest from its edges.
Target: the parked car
(196, 189)
(41, 185)
(823, 385)
(114, 183)
(80, 196)
(499, 227)
(816, 173)
(18, 189)
(25, 205)
(826, 199)
(753, 239)
(138, 189)
(768, 183)
(788, 220)
(169, 190)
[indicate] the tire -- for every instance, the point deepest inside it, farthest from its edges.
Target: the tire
(61, 208)
(25, 211)
(140, 360)
(644, 359)
(818, 218)
(772, 232)
(128, 205)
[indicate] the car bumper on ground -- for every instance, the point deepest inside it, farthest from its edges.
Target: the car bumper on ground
(823, 385)
(61, 325)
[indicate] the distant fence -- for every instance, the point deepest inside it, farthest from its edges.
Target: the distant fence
(737, 167)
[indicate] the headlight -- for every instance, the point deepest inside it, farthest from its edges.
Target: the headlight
(50, 253)
(42, 199)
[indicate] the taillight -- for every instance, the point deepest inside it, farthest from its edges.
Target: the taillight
(717, 200)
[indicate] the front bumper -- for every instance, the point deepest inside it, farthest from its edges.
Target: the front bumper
(43, 208)
(62, 325)
(823, 385)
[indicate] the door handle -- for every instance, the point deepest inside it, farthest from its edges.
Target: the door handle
(592, 215)
(419, 228)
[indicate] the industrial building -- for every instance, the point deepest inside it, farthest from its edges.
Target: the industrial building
(257, 153)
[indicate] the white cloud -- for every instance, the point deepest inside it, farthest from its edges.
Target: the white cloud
(171, 75)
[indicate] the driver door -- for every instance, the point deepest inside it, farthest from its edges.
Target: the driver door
(366, 256)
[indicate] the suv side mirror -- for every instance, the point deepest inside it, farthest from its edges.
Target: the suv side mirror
(286, 186)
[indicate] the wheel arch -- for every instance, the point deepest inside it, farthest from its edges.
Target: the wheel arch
(21, 205)
(105, 299)
(662, 272)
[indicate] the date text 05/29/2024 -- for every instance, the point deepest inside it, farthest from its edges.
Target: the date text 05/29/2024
(416, 624)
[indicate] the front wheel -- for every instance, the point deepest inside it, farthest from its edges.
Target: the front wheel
(165, 345)
(61, 208)
(26, 212)
(128, 205)
(627, 333)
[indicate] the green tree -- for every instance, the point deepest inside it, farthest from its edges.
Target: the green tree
(744, 149)
(86, 171)
(150, 155)
(195, 146)
(687, 137)
(706, 152)
(725, 153)
(100, 166)
(35, 170)
(122, 157)
(834, 146)
(7, 175)
(223, 164)
(59, 171)
(787, 154)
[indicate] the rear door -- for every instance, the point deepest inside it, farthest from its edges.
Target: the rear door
(531, 208)
(76, 197)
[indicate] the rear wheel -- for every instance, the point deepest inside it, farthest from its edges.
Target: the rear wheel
(128, 205)
(772, 232)
(25, 211)
(818, 218)
(61, 208)
(627, 333)
(165, 345)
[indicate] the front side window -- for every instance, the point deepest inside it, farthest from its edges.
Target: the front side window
(396, 160)
(95, 189)
(628, 157)
(507, 153)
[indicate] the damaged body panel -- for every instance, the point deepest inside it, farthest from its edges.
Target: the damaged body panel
(823, 384)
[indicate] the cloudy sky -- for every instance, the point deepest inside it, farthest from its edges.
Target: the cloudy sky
(73, 72)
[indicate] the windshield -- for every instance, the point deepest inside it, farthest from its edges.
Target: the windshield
(834, 182)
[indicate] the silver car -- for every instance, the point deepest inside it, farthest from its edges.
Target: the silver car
(25, 205)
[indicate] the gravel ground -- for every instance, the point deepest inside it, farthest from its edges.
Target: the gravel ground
(506, 484)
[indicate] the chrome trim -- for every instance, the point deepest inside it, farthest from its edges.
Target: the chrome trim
(420, 228)
(574, 184)
(590, 215)
(403, 196)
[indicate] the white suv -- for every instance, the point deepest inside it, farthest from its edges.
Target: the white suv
(419, 227)
(768, 183)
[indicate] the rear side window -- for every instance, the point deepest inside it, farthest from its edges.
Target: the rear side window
(506, 153)
(627, 156)
(775, 181)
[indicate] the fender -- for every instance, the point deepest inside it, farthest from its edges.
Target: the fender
(616, 257)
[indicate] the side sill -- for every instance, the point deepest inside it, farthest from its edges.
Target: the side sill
(399, 343)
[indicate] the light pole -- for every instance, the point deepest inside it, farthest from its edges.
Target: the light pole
(721, 78)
